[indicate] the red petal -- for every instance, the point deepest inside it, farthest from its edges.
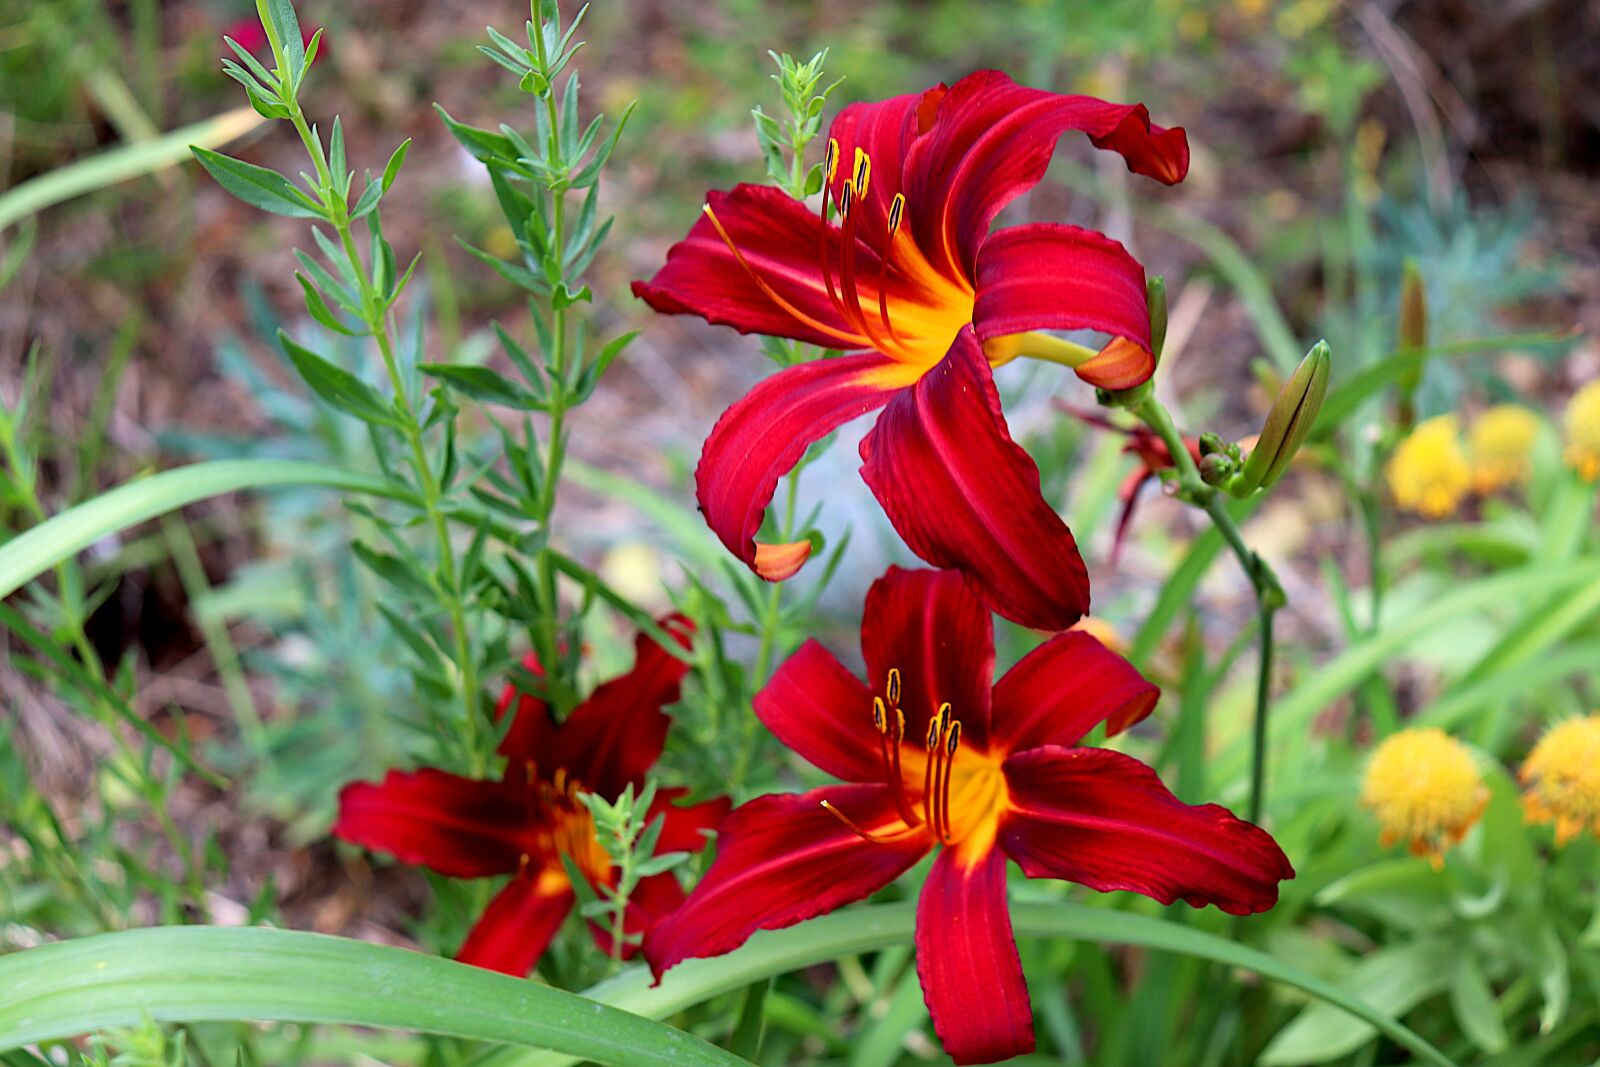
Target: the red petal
(518, 924)
(993, 140)
(1063, 689)
(610, 740)
(682, 827)
(963, 494)
(967, 960)
(1044, 276)
(823, 712)
(759, 439)
(1104, 820)
(528, 738)
(457, 826)
(778, 237)
(782, 859)
(932, 628)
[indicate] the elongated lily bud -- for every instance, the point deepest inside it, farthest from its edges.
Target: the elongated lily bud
(1290, 420)
(1413, 335)
(1155, 289)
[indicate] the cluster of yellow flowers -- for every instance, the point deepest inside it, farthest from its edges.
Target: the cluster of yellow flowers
(1425, 787)
(1433, 470)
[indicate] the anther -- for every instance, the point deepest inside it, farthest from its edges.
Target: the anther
(954, 741)
(845, 196)
(830, 162)
(862, 172)
(893, 688)
(897, 210)
(879, 719)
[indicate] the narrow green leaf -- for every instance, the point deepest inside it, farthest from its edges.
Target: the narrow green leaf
(259, 187)
(875, 927)
(319, 309)
(198, 974)
(287, 28)
(31, 553)
(483, 384)
(392, 169)
(338, 386)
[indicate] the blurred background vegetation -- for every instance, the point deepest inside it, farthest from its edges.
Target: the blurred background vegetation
(1333, 142)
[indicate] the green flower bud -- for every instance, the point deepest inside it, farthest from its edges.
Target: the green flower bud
(1155, 289)
(1290, 420)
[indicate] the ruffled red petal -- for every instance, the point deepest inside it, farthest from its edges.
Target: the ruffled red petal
(461, 827)
(964, 495)
(1104, 820)
(820, 710)
(968, 963)
(782, 859)
(683, 826)
(528, 737)
(933, 629)
(992, 141)
(614, 737)
(518, 925)
(1065, 688)
(1044, 276)
(760, 438)
(778, 237)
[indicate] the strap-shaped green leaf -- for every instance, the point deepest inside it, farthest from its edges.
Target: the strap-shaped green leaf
(199, 973)
(31, 553)
(257, 186)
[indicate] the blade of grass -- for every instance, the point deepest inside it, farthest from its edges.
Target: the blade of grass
(120, 164)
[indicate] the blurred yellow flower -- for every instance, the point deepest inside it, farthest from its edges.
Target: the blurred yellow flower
(1562, 776)
(1429, 472)
(1583, 432)
(1423, 785)
(1501, 443)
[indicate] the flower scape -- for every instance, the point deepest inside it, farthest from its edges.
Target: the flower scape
(1195, 681)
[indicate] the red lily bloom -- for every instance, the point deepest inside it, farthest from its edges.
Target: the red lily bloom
(1154, 457)
(942, 758)
(912, 280)
(525, 822)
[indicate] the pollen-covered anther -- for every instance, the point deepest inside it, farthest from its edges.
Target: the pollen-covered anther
(830, 161)
(897, 213)
(862, 172)
(892, 689)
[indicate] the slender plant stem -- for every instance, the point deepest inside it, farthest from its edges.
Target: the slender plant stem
(375, 309)
(1269, 595)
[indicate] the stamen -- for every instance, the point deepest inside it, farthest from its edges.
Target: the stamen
(890, 733)
(830, 162)
(766, 289)
(930, 777)
(897, 208)
(951, 744)
(865, 835)
(893, 688)
(879, 719)
(847, 268)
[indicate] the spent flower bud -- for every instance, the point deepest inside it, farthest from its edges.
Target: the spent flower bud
(1293, 415)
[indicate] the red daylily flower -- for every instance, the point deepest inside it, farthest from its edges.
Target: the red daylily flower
(526, 821)
(1154, 457)
(941, 758)
(912, 280)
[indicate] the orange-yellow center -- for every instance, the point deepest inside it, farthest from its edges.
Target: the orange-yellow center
(951, 793)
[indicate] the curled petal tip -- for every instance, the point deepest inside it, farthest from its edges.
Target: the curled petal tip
(1122, 364)
(777, 562)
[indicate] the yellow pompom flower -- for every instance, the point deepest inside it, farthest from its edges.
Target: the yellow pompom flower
(1424, 787)
(1429, 472)
(1562, 776)
(1501, 443)
(1583, 432)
